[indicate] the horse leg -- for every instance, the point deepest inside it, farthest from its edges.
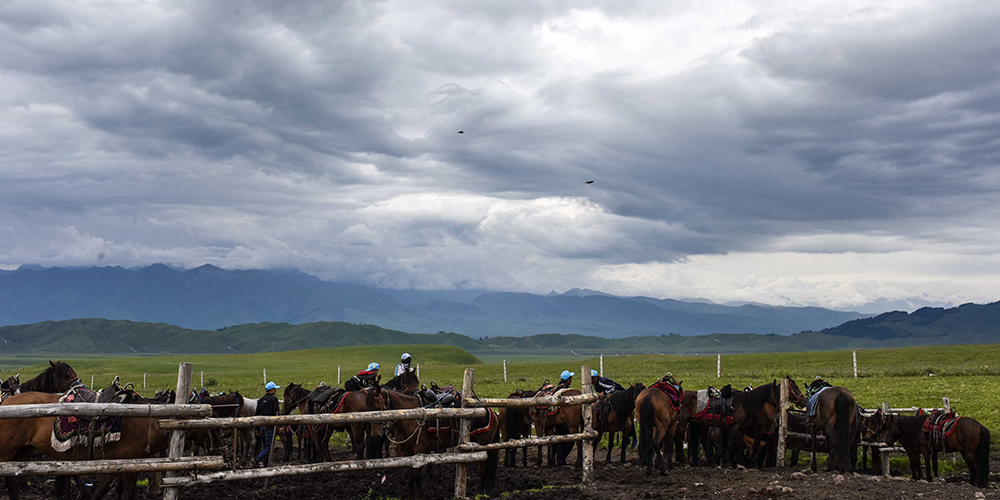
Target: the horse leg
(813, 448)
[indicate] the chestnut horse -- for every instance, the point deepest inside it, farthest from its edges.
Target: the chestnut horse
(140, 438)
(565, 420)
(657, 424)
(972, 439)
(620, 412)
(838, 417)
(515, 423)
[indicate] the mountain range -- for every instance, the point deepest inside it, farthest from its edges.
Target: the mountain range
(209, 298)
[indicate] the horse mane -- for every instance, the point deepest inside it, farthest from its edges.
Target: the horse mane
(48, 380)
(623, 402)
(400, 382)
(754, 400)
(910, 427)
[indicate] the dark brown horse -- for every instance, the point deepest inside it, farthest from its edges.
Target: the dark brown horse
(59, 377)
(837, 416)
(295, 397)
(972, 440)
(405, 382)
(413, 437)
(618, 411)
(909, 431)
(752, 410)
(657, 424)
(515, 423)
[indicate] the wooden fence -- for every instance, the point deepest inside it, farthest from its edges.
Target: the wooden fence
(183, 471)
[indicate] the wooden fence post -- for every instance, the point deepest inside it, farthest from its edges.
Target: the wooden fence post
(718, 366)
(504, 370)
(602, 365)
(418, 371)
(91, 381)
(855, 364)
(143, 380)
(783, 427)
(265, 375)
(588, 425)
(461, 478)
(176, 450)
(885, 455)
(203, 378)
(338, 375)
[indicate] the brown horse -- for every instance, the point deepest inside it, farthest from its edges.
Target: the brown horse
(295, 397)
(140, 438)
(412, 437)
(564, 420)
(405, 382)
(909, 431)
(837, 416)
(59, 377)
(515, 423)
(657, 424)
(972, 440)
(620, 410)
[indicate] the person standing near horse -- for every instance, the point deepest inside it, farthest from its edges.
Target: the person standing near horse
(364, 379)
(404, 364)
(267, 405)
(605, 387)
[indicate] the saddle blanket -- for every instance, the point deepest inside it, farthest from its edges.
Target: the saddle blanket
(478, 426)
(672, 392)
(71, 431)
(549, 411)
(813, 403)
(333, 404)
(709, 405)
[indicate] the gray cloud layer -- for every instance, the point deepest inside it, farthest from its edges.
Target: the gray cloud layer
(861, 138)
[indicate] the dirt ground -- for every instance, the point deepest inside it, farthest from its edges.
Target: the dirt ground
(615, 481)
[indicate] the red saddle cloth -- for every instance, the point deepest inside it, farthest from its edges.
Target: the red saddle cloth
(940, 424)
(70, 431)
(673, 392)
(479, 425)
(548, 390)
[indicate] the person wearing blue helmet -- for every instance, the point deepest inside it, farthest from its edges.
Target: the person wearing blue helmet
(565, 379)
(603, 385)
(267, 405)
(364, 379)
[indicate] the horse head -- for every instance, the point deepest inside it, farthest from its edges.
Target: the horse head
(795, 394)
(61, 377)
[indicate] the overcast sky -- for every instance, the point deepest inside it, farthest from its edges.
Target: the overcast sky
(840, 154)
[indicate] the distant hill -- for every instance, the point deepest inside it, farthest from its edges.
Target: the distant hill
(971, 323)
(209, 298)
(97, 336)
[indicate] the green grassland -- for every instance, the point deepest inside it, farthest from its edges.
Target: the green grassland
(967, 374)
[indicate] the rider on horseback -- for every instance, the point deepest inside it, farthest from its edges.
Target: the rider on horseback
(364, 379)
(404, 364)
(603, 385)
(565, 379)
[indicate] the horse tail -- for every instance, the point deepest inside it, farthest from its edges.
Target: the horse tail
(513, 422)
(646, 417)
(841, 428)
(492, 464)
(983, 457)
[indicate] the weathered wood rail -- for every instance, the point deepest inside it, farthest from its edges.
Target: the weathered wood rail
(94, 410)
(325, 418)
(72, 468)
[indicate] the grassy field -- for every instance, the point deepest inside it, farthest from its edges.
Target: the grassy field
(966, 374)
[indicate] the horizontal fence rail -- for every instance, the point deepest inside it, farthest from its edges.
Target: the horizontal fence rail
(415, 461)
(538, 441)
(64, 468)
(325, 418)
(94, 410)
(521, 402)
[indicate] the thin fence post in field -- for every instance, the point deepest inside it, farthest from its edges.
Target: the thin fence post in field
(176, 450)
(338, 375)
(885, 456)
(602, 365)
(143, 380)
(265, 375)
(783, 423)
(91, 381)
(718, 366)
(504, 370)
(418, 371)
(588, 425)
(203, 378)
(461, 478)
(947, 409)
(855, 364)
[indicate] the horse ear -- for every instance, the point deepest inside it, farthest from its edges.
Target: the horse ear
(51, 363)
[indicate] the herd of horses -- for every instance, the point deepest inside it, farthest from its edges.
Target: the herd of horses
(744, 435)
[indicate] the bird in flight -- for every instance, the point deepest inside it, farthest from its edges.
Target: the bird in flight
(589, 182)
(461, 131)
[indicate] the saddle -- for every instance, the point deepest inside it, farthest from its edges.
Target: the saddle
(813, 402)
(333, 402)
(673, 391)
(547, 390)
(71, 431)
(322, 394)
(940, 425)
(715, 404)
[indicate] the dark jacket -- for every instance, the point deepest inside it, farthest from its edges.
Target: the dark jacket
(267, 405)
(362, 380)
(605, 385)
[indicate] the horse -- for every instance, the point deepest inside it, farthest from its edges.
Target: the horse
(909, 431)
(435, 435)
(229, 405)
(657, 423)
(58, 377)
(140, 438)
(405, 382)
(565, 420)
(750, 411)
(837, 416)
(972, 439)
(515, 423)
(762, 418)
(351, 401)
(295, 396)
(620, 408)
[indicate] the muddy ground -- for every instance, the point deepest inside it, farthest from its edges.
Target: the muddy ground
(615, 481)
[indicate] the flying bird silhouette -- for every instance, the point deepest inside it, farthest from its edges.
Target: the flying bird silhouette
(461, 131)
(589, 182)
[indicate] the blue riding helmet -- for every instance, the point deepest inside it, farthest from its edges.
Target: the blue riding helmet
(373, 366)
(405, 357)
(271, 385)
(566, 374)
(593, 373)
